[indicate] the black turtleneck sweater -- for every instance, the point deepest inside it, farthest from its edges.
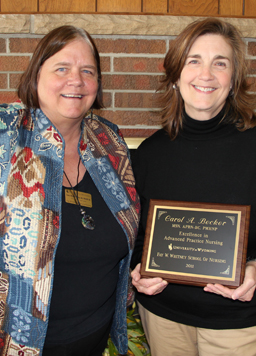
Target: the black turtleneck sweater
(209, 161)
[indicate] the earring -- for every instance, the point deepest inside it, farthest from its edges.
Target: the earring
(174, 86)
(231, 91)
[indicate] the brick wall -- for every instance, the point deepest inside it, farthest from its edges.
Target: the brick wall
(131, 67)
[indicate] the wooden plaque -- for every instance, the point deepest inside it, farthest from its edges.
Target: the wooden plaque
(196, 243)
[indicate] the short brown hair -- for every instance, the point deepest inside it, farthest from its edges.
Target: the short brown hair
(241, 102)
(49, 45)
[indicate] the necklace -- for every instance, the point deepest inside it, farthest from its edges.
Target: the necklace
(87, 220)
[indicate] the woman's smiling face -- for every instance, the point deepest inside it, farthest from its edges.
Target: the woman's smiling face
(68, 83)
(206, 78)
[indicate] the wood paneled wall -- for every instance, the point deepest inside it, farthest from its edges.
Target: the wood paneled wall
(244, 8)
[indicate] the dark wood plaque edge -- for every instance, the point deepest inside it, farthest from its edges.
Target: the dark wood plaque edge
(200, 281)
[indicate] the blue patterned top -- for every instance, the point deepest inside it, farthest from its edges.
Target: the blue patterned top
(31, 173)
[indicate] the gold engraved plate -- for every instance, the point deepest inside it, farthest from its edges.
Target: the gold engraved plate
(85, 199)
(196, 243)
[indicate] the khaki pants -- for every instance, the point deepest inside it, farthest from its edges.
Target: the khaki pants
(167, 338)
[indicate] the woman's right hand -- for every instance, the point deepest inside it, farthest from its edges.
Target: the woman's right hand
(150, 286)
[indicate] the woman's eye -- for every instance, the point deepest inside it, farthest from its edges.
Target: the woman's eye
(87, 71)
(221, 64)
(61, 69)
(193, 61)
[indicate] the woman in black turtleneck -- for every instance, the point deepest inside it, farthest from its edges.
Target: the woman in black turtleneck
(206, 152)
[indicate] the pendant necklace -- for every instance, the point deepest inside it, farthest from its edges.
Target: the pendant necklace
(87, 220)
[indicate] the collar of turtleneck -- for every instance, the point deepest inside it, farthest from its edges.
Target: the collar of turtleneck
(197, 129)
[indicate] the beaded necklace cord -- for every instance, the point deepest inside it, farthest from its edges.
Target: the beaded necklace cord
(87, 220)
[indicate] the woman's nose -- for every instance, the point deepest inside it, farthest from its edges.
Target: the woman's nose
(206, 73)
(75, 78)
